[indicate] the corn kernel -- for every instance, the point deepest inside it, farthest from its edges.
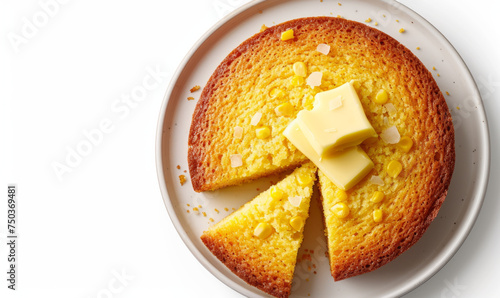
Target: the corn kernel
(276, 93)
(297, 223)
(402, 30)
(405, 144)
(377, 197)
(297, 81)
(300, 69)
(263, 230)
(341, 195)
(286, 35)
(284, 109)
(276, 193)
(377, 215)
(263, 132)
(394, 167)
(304, 179)
(341, 210)
(381, 97)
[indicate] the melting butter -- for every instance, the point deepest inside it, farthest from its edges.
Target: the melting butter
(336, 122)
(344, 168)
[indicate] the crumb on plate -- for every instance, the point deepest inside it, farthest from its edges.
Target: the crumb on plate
(182, 179)
(195, 88)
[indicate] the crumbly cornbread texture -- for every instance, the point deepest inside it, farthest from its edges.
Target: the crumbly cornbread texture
(268, 262)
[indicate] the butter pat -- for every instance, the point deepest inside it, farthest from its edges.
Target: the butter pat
(336, 122)
(345, 168)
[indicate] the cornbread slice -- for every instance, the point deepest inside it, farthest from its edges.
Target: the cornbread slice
(383, 221)
(259, 242)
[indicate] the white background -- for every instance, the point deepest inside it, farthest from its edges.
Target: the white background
(99, 228)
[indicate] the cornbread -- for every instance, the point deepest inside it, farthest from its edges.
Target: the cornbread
(259, 242)
(258, 89)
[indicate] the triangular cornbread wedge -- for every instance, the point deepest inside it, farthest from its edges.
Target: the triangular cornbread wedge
(371, 224)
(242, 243)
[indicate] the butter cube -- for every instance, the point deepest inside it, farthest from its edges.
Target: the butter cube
(345, 168)
(336, 122)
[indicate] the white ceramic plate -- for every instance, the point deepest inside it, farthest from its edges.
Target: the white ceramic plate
(445, 235)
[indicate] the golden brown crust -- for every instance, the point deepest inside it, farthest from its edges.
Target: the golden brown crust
(274, 285)
(200, 125)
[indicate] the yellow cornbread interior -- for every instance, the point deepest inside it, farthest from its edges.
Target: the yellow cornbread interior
(345, 168)
(336, 122)
(260, 241)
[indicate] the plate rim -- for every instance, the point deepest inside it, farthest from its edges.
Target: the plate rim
(453, 245)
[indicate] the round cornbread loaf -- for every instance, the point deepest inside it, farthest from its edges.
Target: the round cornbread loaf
(258, 76)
